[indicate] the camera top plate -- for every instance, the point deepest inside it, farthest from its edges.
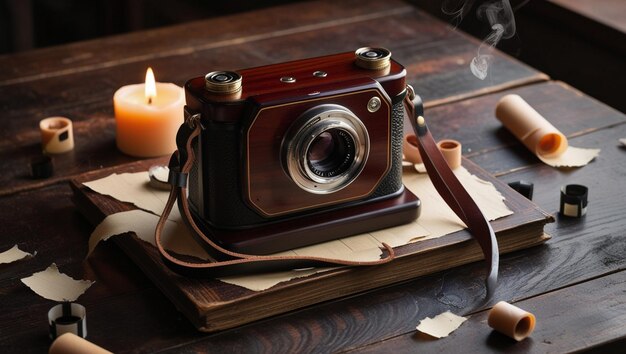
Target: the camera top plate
(297, 75)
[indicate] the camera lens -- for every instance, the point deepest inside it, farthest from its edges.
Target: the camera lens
(223, 82)
(326, 149)
(331, 153)
(372, 58)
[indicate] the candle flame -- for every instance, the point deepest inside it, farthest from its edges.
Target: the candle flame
(150, 89)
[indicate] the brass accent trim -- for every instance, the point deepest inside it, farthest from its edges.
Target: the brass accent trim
(372, 58)
(223, 82)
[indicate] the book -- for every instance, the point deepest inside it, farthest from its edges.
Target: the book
(213, 305)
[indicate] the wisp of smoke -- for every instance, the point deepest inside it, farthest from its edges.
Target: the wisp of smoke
(458, 9)
(500, 17)
(498, 14)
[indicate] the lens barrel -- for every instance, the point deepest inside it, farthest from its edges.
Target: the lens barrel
(331, 153)
(326, 149)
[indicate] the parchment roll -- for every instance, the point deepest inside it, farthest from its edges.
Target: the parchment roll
(511, 321)
(70, 343)
(539, 136)
(57, 135)
(530, 127)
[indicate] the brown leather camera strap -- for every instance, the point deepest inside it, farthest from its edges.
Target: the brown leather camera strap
(452, 191)
(225, 262)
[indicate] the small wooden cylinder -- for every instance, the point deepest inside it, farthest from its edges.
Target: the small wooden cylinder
(70, 343)
(451, 151)
(57, 135)
(511, 321)
(410, 150)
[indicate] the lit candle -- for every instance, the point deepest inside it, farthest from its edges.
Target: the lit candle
(148, 116)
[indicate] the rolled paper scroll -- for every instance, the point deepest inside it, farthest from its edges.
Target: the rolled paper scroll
(56, 135)
(70, 343)
(538, 135)
(511, 321)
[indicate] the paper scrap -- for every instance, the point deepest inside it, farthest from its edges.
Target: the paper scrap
(260, 282)
(134, 188)
(420, 168)
(623, 141)
(436, 220)
(441, 325)
(572, 157)
(12, 255)
(175, 237)
(53, 285)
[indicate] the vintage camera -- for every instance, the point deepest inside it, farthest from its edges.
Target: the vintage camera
(300, 152)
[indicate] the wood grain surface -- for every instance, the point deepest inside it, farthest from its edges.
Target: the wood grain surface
(574, 283)
(436, 58)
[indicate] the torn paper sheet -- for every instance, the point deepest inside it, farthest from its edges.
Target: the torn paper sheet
(364, 248)
(539, 136)
(175, 237)
(436, 220)
(441, 325)
(53, 285)
(436, 217)
(13, 254)
(259, 282)
(572, 157)
(134, 188)
(420, 168)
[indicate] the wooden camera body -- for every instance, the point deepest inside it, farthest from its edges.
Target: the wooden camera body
(300, 152)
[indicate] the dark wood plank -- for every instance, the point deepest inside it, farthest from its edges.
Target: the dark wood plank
(436, 58)
(577, 318)
(511, 160)
(46, 221)
(473, 123)
(185, 39)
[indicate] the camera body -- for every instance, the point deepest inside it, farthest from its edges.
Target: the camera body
(299, 152)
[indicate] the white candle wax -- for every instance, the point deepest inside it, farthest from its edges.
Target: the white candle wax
(147, 127)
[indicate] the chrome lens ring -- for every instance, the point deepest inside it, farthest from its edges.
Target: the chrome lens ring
(326, 149)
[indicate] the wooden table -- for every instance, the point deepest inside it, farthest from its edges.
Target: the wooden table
(574, 284)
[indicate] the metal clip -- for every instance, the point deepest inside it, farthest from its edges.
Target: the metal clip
(193, 119)
(410, 92)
